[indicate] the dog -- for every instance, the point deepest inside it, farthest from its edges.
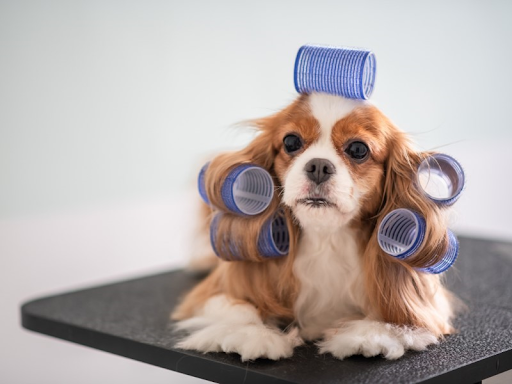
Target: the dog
(339, 165)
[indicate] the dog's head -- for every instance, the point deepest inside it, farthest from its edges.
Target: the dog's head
(330, 159)
(337, 162)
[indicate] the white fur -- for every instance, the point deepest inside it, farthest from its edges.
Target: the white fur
(327, 263)
(372, 338)
(329, 109)
(327, 266)
(228, 327)
(340, 188)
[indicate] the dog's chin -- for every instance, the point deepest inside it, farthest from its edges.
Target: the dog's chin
(321, 214)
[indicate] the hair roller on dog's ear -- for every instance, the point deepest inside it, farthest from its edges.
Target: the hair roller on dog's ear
(400, 192)
(241, 182)
(402, 232)
(441, 178)
(246, 190)
(249, 242)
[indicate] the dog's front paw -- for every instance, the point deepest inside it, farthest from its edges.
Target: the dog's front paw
(363, 337)
(250, 341)
(417, 339)
(222, 326)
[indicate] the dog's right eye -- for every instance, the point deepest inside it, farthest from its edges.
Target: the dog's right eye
(292, 143)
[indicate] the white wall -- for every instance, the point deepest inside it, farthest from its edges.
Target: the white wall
(106, 109)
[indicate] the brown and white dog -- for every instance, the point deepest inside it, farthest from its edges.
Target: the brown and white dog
(340, 166)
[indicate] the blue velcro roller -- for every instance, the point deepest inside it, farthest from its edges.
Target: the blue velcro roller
(441, 178)
(449, 257)
(201, 184)
(213, 234)
(273, 239)
(401, 233)
(247, 190)
(342, 71)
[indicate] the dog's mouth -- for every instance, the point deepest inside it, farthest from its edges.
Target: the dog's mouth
(316, 202)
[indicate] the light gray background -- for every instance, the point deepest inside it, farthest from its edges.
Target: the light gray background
(107, 109)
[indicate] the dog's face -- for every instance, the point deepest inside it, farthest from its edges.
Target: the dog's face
(330, 160)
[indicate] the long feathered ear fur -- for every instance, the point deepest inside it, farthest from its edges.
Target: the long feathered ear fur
(242, 231)
(398, 293)
(269, 285)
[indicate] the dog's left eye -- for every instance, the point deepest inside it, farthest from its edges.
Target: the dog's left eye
(292, 143)
(358, 151)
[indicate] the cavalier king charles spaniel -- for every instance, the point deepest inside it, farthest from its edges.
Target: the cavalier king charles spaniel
(339, 166)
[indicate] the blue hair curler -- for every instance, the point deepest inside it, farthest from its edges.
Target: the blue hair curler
(449, 257)
(273, 239)
(201, 183)
(441, 178)
(247, 190)
(342, 71)
(402, 232)
(213, 235)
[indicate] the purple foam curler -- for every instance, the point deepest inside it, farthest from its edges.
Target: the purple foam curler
(441, 178)
(273, 239)
(247, 190)
(402, 232)
(342, 71)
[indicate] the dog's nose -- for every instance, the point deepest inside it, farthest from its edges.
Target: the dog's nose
(319, 170)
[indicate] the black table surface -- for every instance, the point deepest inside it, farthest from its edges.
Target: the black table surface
(131, 319)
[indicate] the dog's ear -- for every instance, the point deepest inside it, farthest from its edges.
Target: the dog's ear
(261, 151)
(401, 190)
(397, 290)
(267, 283)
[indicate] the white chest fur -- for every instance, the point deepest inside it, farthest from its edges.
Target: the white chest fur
(329, 271)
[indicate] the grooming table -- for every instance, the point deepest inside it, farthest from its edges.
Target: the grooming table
(131, 319)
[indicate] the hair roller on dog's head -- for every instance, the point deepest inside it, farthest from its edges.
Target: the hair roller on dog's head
(236, 238)
(401, 233)
(246, 190)
(342, 71)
